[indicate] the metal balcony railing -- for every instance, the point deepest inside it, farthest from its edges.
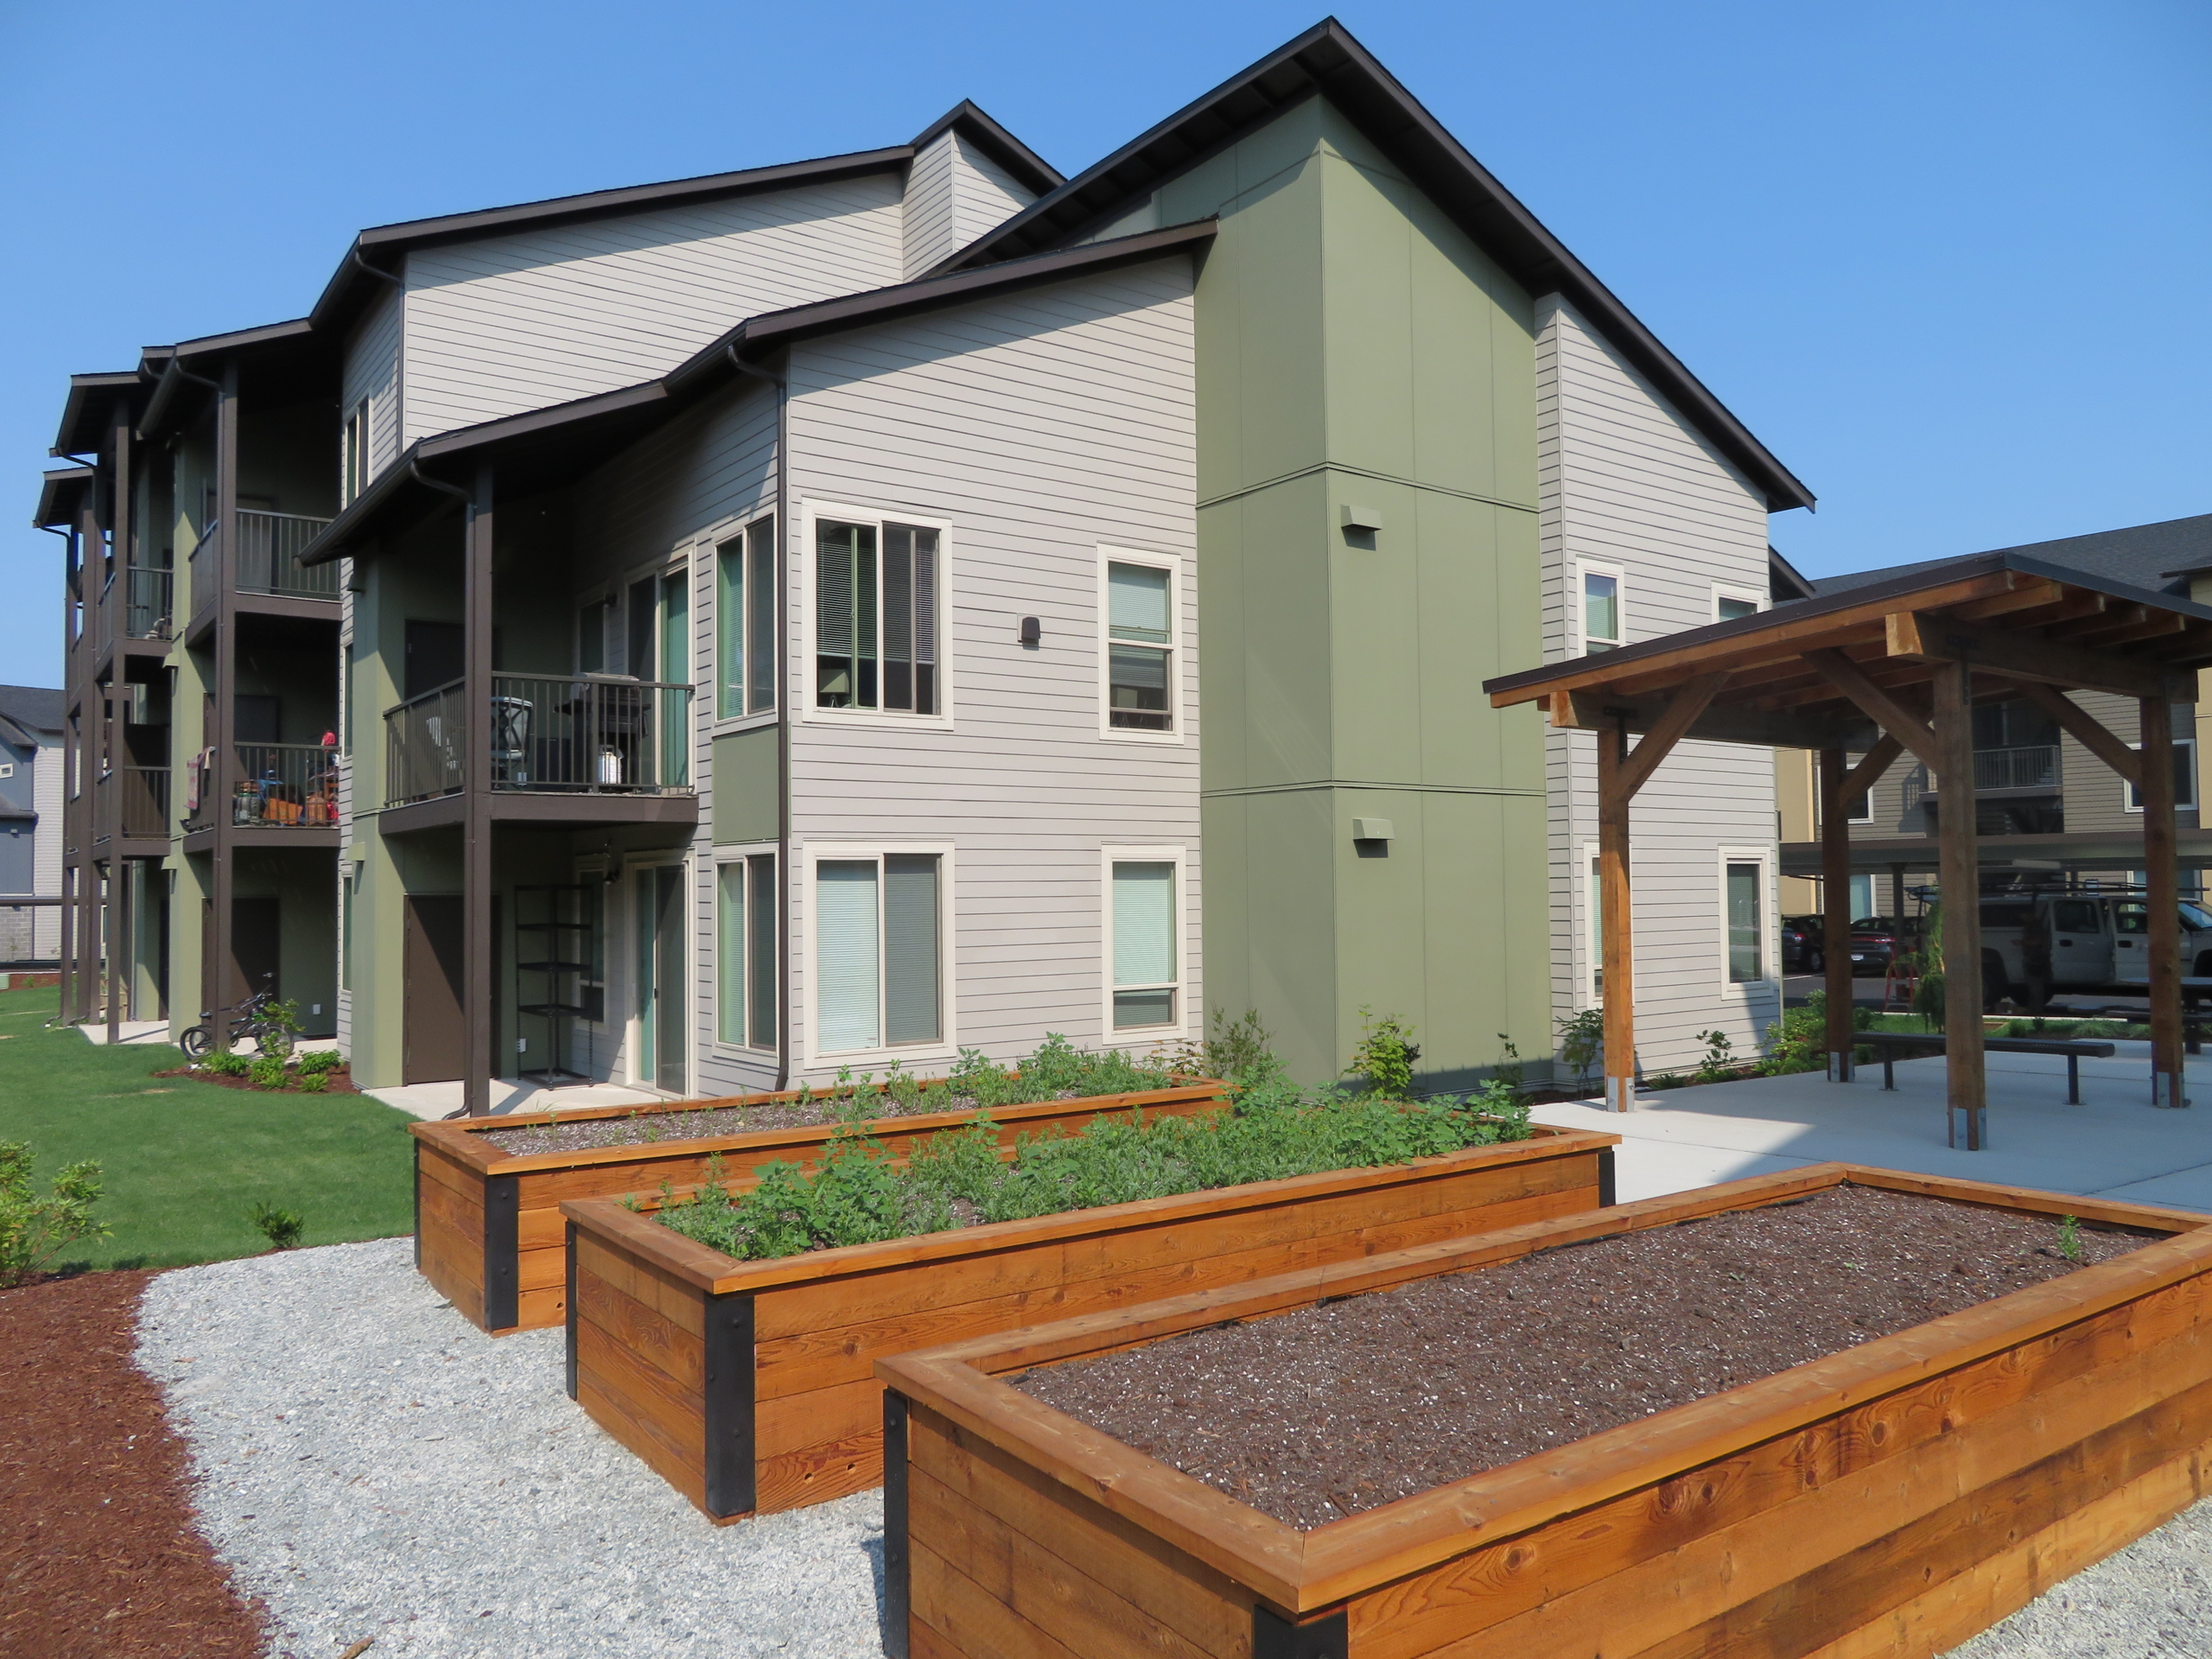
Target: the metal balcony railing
(269, 544)
(581, 733)
(2027, 768)
(286, 786)
(147, 596)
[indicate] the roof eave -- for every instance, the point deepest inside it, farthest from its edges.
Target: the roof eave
(1027, 168)
(60, 497)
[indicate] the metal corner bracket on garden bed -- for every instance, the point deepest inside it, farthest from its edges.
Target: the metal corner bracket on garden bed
(1893, 1498)
(487, 1222)
(750, 1387)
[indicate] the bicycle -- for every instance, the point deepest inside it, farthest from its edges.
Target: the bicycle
(273, 1037)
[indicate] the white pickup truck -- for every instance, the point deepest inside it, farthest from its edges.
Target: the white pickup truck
(2097, 940)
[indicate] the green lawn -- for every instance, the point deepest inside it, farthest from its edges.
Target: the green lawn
(183, 1162)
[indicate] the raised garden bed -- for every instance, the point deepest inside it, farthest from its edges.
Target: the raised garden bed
(487, 1220)
(1639, 1494)
(748, 1385)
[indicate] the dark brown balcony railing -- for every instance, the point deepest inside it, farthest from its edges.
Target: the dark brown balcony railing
(581, 733)
(270, 546)
(146, 602)
(136, 799)
(279, 786)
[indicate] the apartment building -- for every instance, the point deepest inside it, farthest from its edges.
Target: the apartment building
(2045, 809)
(30, 824)
(824, 617)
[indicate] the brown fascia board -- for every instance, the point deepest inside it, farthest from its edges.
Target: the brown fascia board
(1898, 588)
(60, 497)
(620, 416)
(297, 336)
(1327, 60)
(89, 395)
(1027, 168)
(342, 295)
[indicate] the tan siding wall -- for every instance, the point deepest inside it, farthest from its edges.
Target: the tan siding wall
(373, 371)
(955, 193)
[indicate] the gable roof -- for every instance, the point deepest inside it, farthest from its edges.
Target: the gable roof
(2155, 556)
(61, 497)
(1328, 61)
(33, 708)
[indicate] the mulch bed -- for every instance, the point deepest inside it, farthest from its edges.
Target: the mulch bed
(98, 1551)
(1317, 1414)
(341, 1082)
(643, 1128)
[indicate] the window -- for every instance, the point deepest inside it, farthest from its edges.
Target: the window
(1593, 907)
(1139, 607)
(745, 622)
(1727, 608)
(1142, 903)
(2184, 777)
(1744, 903)
(1861, 809)
(875, 616)
(878, 956)
(744, 957)
(353, 464)
(348, 879)
(1601, 608)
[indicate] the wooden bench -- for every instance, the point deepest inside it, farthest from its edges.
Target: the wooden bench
(1888, 1043)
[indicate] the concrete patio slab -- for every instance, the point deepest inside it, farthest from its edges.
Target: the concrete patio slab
(430, 1100)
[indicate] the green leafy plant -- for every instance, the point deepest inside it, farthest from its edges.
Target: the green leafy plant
(1799, 1040)
(321, 1060)
(223, 1063)
(32, 1228)
(1384, 1059)
(1582, 1039)
(1720, 1062)
(281, 1228)
(1509, 1069)
(314, 1083)
(2069, 1239)
(284, 1018)
(268, 1071)
(1231, 1048)
(1667, 1080)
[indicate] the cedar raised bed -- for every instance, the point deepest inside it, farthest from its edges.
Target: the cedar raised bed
(487, 1223)
(1893, 1499)
(749, 1385)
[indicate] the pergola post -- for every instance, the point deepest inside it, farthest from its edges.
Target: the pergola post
(1835, 910)
(2163, 879)
(476, 801)
(1618, 951)
(1960, 882)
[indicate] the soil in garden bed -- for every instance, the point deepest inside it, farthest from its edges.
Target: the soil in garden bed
(1317, 1414)
(341, 1082)
(643, 1128)
(99, 1558)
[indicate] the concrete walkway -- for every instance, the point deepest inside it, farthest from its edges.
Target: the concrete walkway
(436, 1100)
(2116, 1145)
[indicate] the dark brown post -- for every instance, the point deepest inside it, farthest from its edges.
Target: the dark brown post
(476, 801)
(1835, 910)
(219, 953)
(2163, 877)
(117, 597)
(1619, 946)
(1960, 880)
(91, 738)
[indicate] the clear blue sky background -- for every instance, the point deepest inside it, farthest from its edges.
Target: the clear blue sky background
(1950, 261)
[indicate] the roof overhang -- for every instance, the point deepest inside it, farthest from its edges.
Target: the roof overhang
(548, 444)
(61, 497)
(1026, 167)
(1327, 60)
(275, 345)
(2015, 619)
(88, 412)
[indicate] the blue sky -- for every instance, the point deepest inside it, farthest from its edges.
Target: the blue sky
(1950, 261)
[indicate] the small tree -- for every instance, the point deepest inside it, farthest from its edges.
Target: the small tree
(1581, 1041)
(1385, 1057)
(32, 1228)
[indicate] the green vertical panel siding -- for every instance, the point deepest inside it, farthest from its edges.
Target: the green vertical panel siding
(743, 801)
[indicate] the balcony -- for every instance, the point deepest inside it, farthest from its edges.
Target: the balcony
(585, 735)
(148, 601)
(269, 544)
(281, 786)
(136, 800)
(2034, 767)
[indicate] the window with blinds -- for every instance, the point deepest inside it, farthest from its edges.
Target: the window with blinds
(745, 622)
(1746, 923)
(1142, 905)
(1139, 647)
(878, 952)
(745, 954)
(876, 617)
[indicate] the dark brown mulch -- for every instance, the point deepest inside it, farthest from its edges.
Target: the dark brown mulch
(1314, 1415)
(98, 1551)
(341, 1082)
(695, 1123)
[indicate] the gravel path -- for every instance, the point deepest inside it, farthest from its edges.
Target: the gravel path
(371, 1465)
(2153, 1601)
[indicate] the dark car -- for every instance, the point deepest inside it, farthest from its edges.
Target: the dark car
(1800, 945)
(1876, 942)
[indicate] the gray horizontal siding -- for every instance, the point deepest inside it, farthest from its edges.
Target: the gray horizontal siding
(373, 371)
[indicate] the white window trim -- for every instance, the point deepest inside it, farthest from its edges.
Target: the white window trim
(737, 853)
(946, 1049)
(1182, 1025)
(357, 467)
(739, 527)
(798, 572)
(2189, 805)
(1584, 568)
(1768, 981)
(1179, 635)
(624, 958)
(1751, 596)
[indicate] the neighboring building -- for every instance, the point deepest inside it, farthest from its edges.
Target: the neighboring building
(30, 824)
(828, 616)
(2045, 808)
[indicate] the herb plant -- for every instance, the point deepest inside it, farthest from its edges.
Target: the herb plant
(2069, 1239)
(32, 1228)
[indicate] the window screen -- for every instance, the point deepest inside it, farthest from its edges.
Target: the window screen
(1744, 929)
(1144, 943)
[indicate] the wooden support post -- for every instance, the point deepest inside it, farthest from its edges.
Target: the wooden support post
(1836, 909)
(476, 801)
(219, 953)
(115, 599)
(1617, 957)
(1960, 880)
(2162, 871)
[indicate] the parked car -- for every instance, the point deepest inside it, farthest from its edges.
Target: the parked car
(2098, 940)
(1876, 942)
(1802, 952)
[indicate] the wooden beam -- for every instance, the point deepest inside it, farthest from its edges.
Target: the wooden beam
(1616, 954)
(1587, 712)
(2034, 597)
(1868, 773)
(2157, 625)
(1928, 638)
(1958, 875)
(2163, 875)
(1682, 711)
(1891, 716)
(1835, 899)
(2086, 730)
(1744, 668)
(2114, 614)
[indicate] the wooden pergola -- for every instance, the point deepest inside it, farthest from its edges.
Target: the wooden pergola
(1879, 670)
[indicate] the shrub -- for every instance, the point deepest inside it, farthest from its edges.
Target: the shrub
(223, 1063)
(283, 1227)
(32, 1228)
(314, 1083)
(1799, 1040)
(267, 1072)
(321, 1060)
(1720, 1062)
(860, 1195)
(1582, 1039)
(1384, 1059)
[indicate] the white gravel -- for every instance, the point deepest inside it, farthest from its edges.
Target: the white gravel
(369, 1465)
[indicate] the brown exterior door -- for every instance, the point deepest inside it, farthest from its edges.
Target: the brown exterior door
(256, 957)
(434, 1047)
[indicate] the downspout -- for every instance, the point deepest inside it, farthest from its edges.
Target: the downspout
(782, 385)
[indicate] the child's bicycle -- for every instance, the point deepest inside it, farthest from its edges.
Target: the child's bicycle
(250, 1019)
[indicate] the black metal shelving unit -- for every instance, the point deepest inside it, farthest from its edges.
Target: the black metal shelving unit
(554, 948)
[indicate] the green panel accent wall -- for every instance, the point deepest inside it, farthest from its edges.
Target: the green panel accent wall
(745, 801)
(1355, 349)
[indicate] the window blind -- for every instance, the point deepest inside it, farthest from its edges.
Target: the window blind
(1137, 603)
(910, 992)
(1144, 924)
(846, 954)
(729, 954)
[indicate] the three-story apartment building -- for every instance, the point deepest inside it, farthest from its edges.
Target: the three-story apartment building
(830, 615)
